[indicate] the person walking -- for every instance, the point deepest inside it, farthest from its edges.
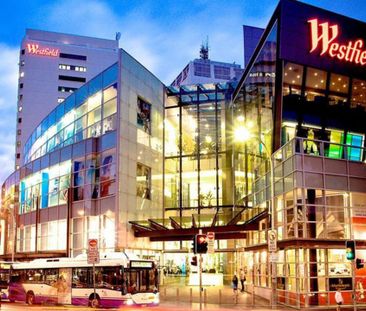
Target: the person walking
(339, 299)
(235, 282)
(242, 279)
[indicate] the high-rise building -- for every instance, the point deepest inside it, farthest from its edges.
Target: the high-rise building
(203, 70)
(251, 37)
(51, 66)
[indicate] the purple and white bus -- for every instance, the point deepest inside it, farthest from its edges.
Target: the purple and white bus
(118, 281)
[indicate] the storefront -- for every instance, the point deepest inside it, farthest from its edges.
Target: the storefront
(308, 105)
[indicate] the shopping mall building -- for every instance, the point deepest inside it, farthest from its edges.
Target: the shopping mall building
(142, 167)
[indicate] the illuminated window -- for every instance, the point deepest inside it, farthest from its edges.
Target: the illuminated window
(358, 98)
(338, 89)
(20, 108)
(21, 74)
(143, 181)
(356, 141)
(60, 100)
(292, 79)
(72, 67)
(315, 85)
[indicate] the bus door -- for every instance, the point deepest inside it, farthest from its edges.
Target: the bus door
(64, 286)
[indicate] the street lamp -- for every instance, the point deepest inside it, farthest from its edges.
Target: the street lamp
(242, 135)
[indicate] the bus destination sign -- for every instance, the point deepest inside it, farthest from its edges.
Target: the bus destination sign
(141, 264)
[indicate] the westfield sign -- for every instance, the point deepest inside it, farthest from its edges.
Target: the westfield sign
(35, 49)
(324, 36)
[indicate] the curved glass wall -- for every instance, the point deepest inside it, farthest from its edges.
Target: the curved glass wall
(89, 112)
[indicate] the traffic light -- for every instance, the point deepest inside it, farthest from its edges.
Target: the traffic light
(194, 261)
(359, 263)
(200, 244)
(350, 250)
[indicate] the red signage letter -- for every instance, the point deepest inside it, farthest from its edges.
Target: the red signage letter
(327, 35)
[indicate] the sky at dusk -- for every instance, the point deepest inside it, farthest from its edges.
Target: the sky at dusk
(163, 35)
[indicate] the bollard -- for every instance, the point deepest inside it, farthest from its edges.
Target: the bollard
(177, 293)
(205, 295)
(190, 294)
(220, 296)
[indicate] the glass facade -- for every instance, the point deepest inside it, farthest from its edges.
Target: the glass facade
(90, 112)
(70, 172)
(197, 150)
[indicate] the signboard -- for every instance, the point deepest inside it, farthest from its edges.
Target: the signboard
(340, 283)
(210, 242)
(93, 252)
(324, 35)
(272, 241)
(273, 257)
(36, 49)
(141, 264)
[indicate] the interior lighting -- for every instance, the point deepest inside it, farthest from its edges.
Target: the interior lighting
(241, 118)
(315, 73)
(290, 68)
(208, 139)
(241, 134)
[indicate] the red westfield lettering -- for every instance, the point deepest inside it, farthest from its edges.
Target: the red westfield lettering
(35, 49)
(324, 35)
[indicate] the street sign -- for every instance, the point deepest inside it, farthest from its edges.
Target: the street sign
(210, 242)
(272, 241)
(93, 252)
(273, 257)
(92, 245)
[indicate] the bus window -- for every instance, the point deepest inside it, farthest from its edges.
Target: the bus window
(51, 276)
(34, 276)
(108, 277)
(80, 277)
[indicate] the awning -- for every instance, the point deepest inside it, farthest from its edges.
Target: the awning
(226, 225)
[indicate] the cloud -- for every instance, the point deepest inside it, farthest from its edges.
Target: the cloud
(8, 96)
(163, 36)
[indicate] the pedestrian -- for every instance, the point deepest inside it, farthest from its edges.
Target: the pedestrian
(242, 279)
(235, 282)
(339, 299)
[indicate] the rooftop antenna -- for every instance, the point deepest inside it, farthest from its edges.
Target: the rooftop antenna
(204, 50)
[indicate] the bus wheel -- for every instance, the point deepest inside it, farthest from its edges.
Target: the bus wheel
(94, 301)
(30, 298)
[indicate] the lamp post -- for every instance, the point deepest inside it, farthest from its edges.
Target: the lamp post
(242, 134)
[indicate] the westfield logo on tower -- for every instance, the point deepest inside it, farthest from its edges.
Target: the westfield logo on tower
(324, 38)
(35, 49)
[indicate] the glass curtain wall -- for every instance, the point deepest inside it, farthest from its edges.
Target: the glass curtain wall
(252, 118)
(196, 161)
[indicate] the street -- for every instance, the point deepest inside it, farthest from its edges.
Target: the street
(162, 306)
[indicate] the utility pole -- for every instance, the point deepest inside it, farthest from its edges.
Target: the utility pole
(200, 275)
